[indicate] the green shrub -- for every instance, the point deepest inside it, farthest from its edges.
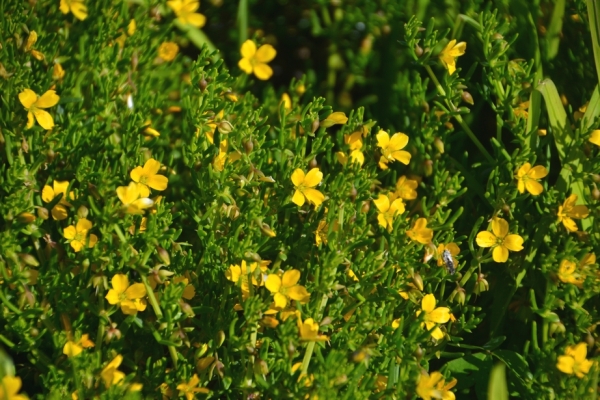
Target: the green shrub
(358, 206)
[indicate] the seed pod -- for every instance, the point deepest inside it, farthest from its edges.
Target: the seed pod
(467, 98)
(248, 146)
(43, 213)
(313, 163)
(82, 212)
(202, 84)
(225, 127)
(418, 50)
(163, 255)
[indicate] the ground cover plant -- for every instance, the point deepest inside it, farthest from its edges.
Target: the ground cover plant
(311, 199)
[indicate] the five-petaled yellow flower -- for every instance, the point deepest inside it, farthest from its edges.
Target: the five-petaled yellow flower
(433, 316)
(420, 232)
(254, 60)
(130, 298)
(34, 105)
(59, 211)
(305, 187)
(406, 188)
(434, 387)
(567, 273)
(186, 12)
(72, 349)
(500, 241)
(9, 388)
(132, 202)
(168, 50)
(77, 235)
(569, 211)
(286, 288)
(574, 361)
(77, 7)
(321, 232)
(527, 178)
(190, 388)
(110, 374)
(391, 148)
(449, 54)
(388, 210)
(309, 330)
(147, 177)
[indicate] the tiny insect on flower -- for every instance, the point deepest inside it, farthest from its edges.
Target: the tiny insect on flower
(447, 258)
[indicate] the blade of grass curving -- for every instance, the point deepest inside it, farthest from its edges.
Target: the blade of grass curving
(592, 112)
(554, 29)
(533, 119)
(497, 388)
(593, 7)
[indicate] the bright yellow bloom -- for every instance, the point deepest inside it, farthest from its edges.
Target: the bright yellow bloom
(500, 241)
(34, 105)
(110, 374)
(254, 60)
(528, 177)
(130, 298)
(567, 273)
(257, 271)
(449, 54)
(148, 177)
(309, 330)
(59, 211)
(433, 316)
(406, 188)
(286, 288)
(336, 118)
(58, 72)
(321, 232)
(356, 156)
(189, 291)
(77, 235)
(72, 349)
(223, 156)
(305, 187)
(190, 388)
(186, 12)
(287, 101)
(391, 148)
(452, 248)
(420, 232)
(433, 386)
(595, 137)
(569, 211)
(31, 39)
(396, 323)
(354, 140)
(574, 361)
(168, 50)
(9, 388)
(77, 7)
(388, 211)
(132, 202)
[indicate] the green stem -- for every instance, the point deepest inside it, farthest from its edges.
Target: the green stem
(458, 117)
(311, 346)
(243, 20)
(152, 298)
(119, 233)
(6, 341)
(100, 333)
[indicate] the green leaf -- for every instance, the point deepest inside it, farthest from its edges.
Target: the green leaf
(554, 29)
(497, 389)
(594, 15)
(592, 112)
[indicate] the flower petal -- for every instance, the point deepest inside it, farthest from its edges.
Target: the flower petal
(151, 167)
(265, 53)
(314, 196)
(47, 194)
(262, 71)
(70, 232)
(579, 212)
(43, 118)
(313, 178)
(27, 97)
(136, 291)
(280, 300)
(499, 227)
(538, 172)
(398, 141)
(500, 254)
(48, 99)
(290, 278)
(565, 364)
(569, 224)
(513, 242)
(382, 203)
(428, 303)
(299, 293)
(273, 283)
(383, 139)
(245, 65)
(298, 177)
(196, 19)
(83, 225)
(136, 174)
(248, 49)
(120, 283)
(59, 212)
(595, 137)
(402, 156)
(112, 297)
(440, 315)
(533, 187)
(486, 239)
(158, 182)
(298, 198)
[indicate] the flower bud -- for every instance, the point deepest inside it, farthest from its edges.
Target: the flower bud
(557, 328)
(467, 98)
(261, 367)
(202, 84)
(365, 207)
(596, 178)
(267, 231)
(43, 213)
(418, 281)
(202, 350)
(220, 338)
(353, 193)
(481, 285)
(29, 260)
(418, 50)
(26, 218)
(163, 255)
(225, 127)
(82, 212)
(458, 296)
(313, 163)
(248, 146)
(596, 193)
(439, 145)
(428, 167)
(187, 309)
(315, 125)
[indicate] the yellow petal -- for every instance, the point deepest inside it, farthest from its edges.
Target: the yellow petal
(70, 232)
(245, 65)
(248, 49)
(513, 242)
(437, 334)
(79, 10)
(48, 99)
(265, 53)
(440, 315)
(83, 225)
(500, 254)
(136, 291)
(30, 120)
(402, 156)
(280, 300)
(521, 186)
(273, 283)
(196, 19)
(595, 137)
(569, 224)
(120, 283)
(27, 97)
(382, 203)
(533, 187)
(151, 167)
(523, 170)
(579, 352)
(428, 303)
(398, 141)
(579, 212)
(313, 178)
(565, 364)
(290, 278)
(337, 118)
(158, 182)
(47, 194)
(128, 307)
(538, 172)
(112, 297)
(459, 49)
(72, 349)
(262, 71)
(383, 139)
(499, 227)
(136, 174)
(298, 177)
(298, 198)
(43, 118)
(299, 293)
(314, 196)
(486, 239)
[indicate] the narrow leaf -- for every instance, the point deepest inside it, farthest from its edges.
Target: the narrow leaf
(497, 389)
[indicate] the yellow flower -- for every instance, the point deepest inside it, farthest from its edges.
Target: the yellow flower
(130, 298)
(189, 291)
(189, 389)
(257, 271)
(309, 330)
(500, 241)
(168, 50)
(72, 349)
(77, 7)
(574, 361)
(223, 156)
(34, 105)
(77, 235)
(304, 187)
(567, 273)
(9, 388)
(396, 323)
(452, 248)
(287, 102)
(420, 232)
(388, 211)
(406, 188)
(31, 39)
(569, 211)
(354, 140)
(254, 60)
(59, 211)
(336, 118)
(595, 137)
(286, 288)
(433, 386)
(186, 12)
(433, 316)
(110, 374)
(355, 156)
(58, 72)
(391, 148)
(321, 233)
(212, 124)
(449, 54)
(132, 202)
(528, 178)
(148, 176)
(522, 110)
